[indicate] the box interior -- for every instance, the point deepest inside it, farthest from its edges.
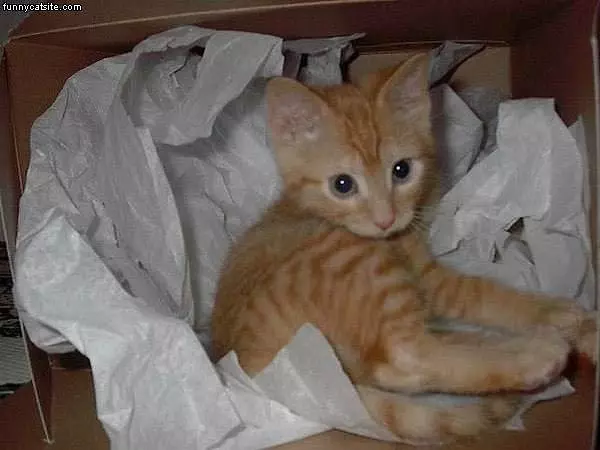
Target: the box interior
(549, 426)
(538, 48)
(114, 24)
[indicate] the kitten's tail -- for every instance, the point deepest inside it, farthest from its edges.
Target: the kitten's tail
(422, 423)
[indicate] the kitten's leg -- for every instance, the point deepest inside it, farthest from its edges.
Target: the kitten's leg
(423, 423)
(476, 299)
(431, 363)
(407, 357)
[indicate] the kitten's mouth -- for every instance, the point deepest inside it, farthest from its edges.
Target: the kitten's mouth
(369, 229)
(391, 232)
(399, 225)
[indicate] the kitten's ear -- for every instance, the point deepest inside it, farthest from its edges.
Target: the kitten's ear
(406, 91)
(295, 113)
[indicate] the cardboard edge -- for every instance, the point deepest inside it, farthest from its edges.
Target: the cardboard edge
(596, 68)
(41, 380)
(383, 20)
(10, 191)
(9, 22)
(199, 12)
(574, 80)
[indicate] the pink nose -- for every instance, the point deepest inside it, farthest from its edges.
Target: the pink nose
(386, 223)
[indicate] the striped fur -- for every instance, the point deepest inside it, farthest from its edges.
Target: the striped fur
(317, 258)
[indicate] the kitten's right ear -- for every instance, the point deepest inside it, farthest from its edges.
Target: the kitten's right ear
(295, 113)
(406, 91)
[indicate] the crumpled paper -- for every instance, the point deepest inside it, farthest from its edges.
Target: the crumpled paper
(135, 190)
(323, 59)
(458, 131)
(155, 386)
(484, 102)
(447, 58)
(518, 216)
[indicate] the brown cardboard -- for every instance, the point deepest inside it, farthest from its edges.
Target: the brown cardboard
(28, 100)
(10, 189)
(553, 425)
(31, 95)
(116, 25)
(490, 68)
(75, 423)
(8, 166)
(552, 62)
(542, 50)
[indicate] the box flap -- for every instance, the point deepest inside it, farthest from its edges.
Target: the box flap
(100, 24)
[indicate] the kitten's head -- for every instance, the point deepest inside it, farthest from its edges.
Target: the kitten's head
(360, 156)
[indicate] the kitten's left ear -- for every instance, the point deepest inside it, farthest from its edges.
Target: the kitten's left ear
(406, 91)
(296, 115)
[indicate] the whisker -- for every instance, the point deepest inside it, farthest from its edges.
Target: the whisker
(418, 225)
(428, 208)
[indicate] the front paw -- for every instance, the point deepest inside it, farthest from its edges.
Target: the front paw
(541, 359)
(587, 339)
(578, 327)
(564, 316)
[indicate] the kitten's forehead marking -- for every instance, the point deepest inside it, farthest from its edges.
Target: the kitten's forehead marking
(355, 114)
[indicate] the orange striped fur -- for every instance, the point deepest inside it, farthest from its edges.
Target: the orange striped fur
(318, 256)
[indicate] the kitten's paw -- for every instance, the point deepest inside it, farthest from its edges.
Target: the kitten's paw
(565, 316)
(587, 339)
(579, 327)
(541, 359)
(470, 420)
(423, 422)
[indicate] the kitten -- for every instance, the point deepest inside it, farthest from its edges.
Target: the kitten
(342, 249)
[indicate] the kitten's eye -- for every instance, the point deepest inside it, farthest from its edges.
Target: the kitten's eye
(401, 171)
(343, 185)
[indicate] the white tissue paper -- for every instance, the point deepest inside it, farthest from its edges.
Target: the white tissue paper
(324, 59)
(144, 170)
(447, 58)
(519, 215)
(459, 133)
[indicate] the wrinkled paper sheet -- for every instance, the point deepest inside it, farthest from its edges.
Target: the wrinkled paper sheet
(138, 182)
(535, 176)
(324, 59)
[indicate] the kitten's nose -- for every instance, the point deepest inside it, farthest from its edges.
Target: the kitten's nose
(385, 223)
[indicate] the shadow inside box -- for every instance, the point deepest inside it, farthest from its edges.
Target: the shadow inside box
(9, 319)
(70, 361)
(14, 368)
(11, 328)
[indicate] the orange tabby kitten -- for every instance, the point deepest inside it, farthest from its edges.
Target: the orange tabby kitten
(341, 250)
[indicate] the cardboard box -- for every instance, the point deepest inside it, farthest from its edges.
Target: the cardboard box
(543, 48)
